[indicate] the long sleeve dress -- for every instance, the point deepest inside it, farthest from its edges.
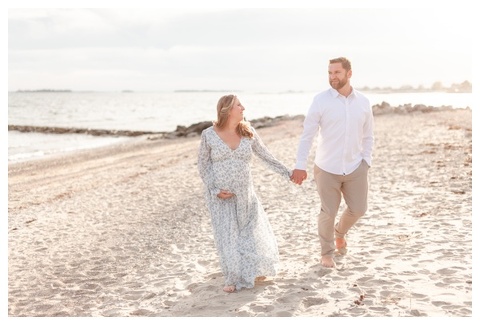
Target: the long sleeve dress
(244, 239)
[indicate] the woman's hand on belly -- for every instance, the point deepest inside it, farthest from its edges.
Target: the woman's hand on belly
(224, 194)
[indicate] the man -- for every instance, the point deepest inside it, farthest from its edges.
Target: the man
(343, 118)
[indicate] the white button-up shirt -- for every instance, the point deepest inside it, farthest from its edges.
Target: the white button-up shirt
(345, 132)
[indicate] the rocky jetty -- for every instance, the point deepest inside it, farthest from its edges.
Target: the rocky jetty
(197, 128)
(386, 108)
(63, 130)
(181, 131)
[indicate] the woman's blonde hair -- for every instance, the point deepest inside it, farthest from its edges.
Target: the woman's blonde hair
(224, 106)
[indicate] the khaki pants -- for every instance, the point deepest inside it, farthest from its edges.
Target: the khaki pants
(331, 187)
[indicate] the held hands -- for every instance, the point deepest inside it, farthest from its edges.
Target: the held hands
(298, 176)
(224, 194)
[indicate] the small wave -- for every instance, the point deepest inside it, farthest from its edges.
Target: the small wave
(25, 156)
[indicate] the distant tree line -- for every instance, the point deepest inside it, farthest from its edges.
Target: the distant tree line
(464, 87)
(45, 91)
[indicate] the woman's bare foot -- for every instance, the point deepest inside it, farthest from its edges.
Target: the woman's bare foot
(327, 261)
(341, 245)
(229, 289)
(260, 278)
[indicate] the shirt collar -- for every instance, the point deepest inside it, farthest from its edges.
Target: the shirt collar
(335, 93)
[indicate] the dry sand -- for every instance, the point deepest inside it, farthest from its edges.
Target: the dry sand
(124, 231)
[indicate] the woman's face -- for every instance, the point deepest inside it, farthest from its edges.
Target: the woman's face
(236, 112)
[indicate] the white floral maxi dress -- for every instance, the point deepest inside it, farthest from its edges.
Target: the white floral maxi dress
(244, 239)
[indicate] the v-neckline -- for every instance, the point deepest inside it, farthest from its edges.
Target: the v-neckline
(226, 144)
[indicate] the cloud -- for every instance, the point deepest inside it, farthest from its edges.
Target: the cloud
(165, 49)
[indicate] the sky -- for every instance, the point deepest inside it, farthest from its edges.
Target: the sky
(235, 48)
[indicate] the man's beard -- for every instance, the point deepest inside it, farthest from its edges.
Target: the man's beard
(340, 84)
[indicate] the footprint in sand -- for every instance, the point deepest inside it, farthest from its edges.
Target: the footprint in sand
(313, 301)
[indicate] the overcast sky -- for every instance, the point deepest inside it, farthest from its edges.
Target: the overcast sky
(159, 49)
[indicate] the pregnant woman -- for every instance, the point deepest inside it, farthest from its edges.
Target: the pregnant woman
(244, 239)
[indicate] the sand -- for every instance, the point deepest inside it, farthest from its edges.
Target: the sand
(124, 231)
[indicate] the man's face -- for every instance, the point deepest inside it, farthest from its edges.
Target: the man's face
(337, 76)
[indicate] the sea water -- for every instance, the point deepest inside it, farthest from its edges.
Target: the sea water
(156, 112)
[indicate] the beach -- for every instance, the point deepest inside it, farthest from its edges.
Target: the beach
(123, 231)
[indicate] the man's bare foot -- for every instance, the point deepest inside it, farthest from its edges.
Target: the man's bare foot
(229, 289)
(327, 261)
(341, 245)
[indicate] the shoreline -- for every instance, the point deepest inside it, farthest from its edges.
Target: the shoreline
(123, 231)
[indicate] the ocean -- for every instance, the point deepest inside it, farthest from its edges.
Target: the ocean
(156, 112)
